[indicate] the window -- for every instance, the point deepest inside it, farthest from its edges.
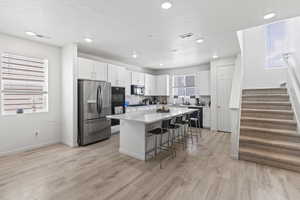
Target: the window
(184, 85)
(276, 43)
(24, 84)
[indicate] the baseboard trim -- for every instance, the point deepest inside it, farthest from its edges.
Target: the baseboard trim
(27, 148)
(132, 154)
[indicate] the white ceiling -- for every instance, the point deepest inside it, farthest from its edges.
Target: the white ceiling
(119, 27)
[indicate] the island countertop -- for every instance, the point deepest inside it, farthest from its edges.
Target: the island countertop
(151, 116)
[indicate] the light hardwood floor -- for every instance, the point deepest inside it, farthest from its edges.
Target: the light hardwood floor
(204, 171)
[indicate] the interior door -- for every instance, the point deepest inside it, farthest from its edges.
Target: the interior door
(224, 83)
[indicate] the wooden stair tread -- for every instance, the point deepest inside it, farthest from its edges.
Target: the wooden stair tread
(283, 121)
(276, 131)
(286, 103)
(263, 154)
(265, 95)
(268, 111)
(273, 143)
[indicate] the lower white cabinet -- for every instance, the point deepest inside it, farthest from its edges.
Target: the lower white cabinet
(92, 70)
(206, 117)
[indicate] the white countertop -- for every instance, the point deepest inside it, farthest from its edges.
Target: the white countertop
(151, 116)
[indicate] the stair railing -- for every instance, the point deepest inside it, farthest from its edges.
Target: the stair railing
(235, 107)
(293, 83)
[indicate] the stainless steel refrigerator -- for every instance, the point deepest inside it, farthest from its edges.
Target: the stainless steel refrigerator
(94, 104)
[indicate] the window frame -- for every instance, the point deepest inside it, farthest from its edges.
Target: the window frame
(45, 87)
(184, 87)
(266, 51)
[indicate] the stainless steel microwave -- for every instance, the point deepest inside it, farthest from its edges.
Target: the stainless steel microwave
(137, 90)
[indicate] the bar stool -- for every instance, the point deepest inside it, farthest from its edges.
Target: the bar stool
(166, 146)
(194, 120)
(183, 123)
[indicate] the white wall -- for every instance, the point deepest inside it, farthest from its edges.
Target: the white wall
(69, 95)
(17, 133)
(255, 73)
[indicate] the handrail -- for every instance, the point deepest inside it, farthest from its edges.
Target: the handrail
(293, 83)
(235, 107)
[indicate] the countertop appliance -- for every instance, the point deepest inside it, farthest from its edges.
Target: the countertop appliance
(137, 90)
(94, 104)
(117, 103)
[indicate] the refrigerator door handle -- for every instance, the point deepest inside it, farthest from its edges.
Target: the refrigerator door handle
(98, 100)
(101, 100)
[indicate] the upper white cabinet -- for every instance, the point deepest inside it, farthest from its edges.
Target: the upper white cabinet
(100, 71)
(150, 84)
(127, 78)
(157, 85)
(93, 70)
(85, 68)
(116, 75)
(138, 78)
(162, 85)
(203, 83)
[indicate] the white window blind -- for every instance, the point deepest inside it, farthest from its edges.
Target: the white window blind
(184, 85)
(24, 84)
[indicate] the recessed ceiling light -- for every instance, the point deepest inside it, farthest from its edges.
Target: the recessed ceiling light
(134, 55)
(30, 33)
(88, 40)
(166, 5)
(215, 56)
(161, 64)
(269, 15)
(200, 40)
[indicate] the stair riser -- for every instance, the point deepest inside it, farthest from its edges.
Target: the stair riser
(267, 115)
(263, 161)
(275, 91)
(264, 98)
(273, 125)
(267, 107)
(268, 135)
(269, 148)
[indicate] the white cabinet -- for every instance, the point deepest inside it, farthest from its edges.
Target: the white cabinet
(100, 71)
(138, 78)
(203, 83)
(85, 69)
(162, 85)
(93, 70)
(206, 117)
(116, 75)
(157, 85)
(127, 78)
(150, 84)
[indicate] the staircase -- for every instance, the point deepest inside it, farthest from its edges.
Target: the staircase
(268, 131)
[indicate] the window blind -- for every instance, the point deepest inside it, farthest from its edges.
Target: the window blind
(24, 84)
(184, 85)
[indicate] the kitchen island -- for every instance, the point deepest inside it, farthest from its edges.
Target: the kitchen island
(134, 128)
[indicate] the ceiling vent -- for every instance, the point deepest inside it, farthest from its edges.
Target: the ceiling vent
(186, 35)
(42, 36)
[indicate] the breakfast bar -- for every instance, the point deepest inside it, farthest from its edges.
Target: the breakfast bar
(134, 128)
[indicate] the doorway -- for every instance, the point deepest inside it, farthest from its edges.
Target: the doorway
(224, 83)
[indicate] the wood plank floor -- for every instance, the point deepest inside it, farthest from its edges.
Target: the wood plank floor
(96, 172)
